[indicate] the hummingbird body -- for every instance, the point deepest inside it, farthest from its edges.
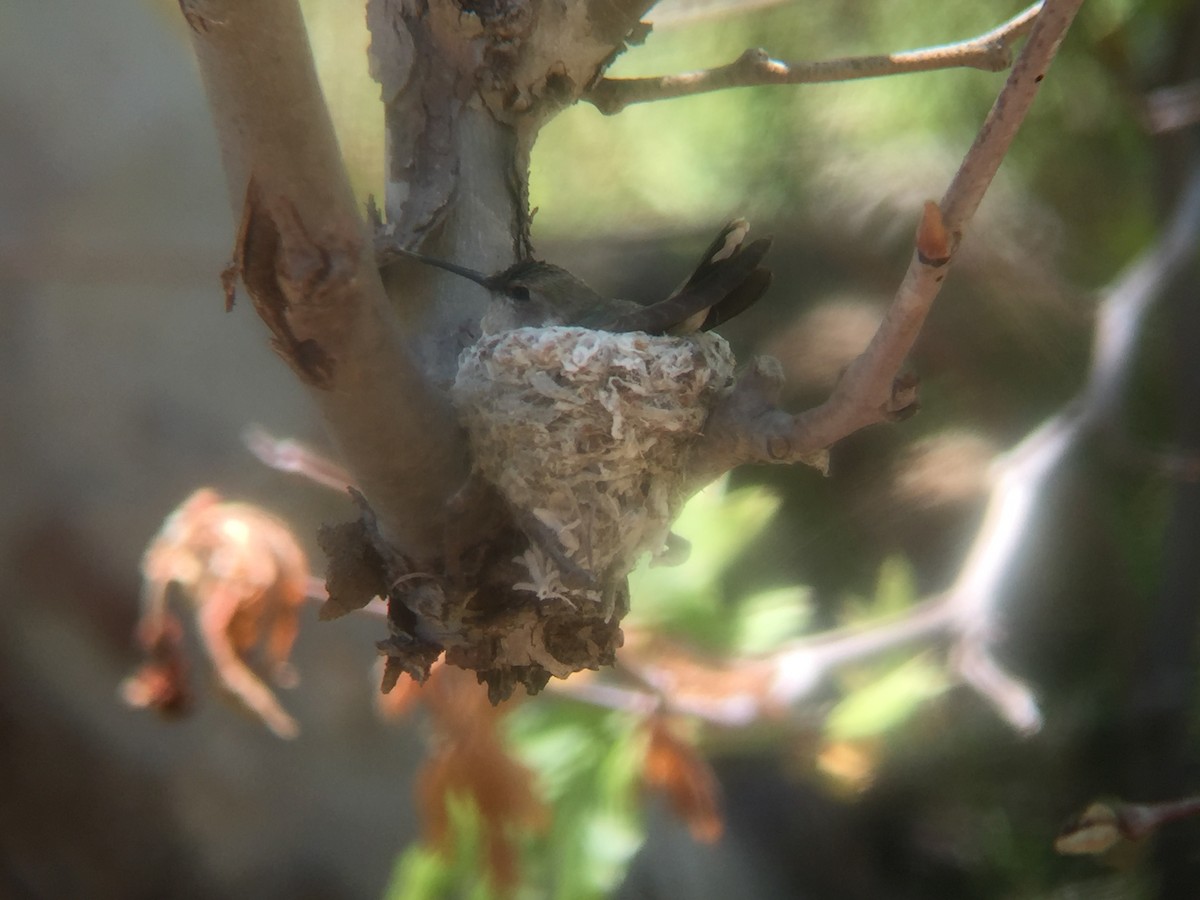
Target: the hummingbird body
(537, 294)
(533, 293)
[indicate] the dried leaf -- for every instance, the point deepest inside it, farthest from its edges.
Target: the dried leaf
(674, 767)
(246, 579)
(356, 573)
(469, 760)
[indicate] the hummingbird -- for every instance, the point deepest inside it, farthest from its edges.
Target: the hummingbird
(727, 280)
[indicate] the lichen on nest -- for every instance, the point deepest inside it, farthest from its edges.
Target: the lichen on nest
(586, 434)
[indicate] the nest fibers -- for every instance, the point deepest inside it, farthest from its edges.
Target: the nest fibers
(586, 434)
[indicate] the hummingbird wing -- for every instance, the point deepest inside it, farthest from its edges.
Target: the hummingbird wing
(727, 281)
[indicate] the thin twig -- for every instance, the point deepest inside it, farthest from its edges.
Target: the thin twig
(991, 145)
(287, 455)
(991, 52)
(747, 427)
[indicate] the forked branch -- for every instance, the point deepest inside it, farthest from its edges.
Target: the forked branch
(748, 427)
(991, 52)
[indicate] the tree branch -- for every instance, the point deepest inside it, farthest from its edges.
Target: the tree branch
(308, 263)
(748, 428)
(991, 52)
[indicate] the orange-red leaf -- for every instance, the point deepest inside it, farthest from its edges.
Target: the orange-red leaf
(246, 578)
(674, 767)
(469, 759)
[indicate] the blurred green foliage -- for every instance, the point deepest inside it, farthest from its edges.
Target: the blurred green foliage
(587, 762)
(337, 30)
(687, 600)
(882, 695)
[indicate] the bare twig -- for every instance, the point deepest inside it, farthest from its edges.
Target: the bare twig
(748, 428)
(991, 52)
(308, 262)
(866, 391)
(286, 455)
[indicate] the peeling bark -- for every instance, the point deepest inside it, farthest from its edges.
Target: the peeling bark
(308, 258)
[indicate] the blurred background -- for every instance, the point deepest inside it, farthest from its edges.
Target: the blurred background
(126, 386)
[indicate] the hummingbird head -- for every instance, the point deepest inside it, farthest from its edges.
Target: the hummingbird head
(534, 293)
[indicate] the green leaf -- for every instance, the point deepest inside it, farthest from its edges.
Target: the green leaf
(587, 761)
(612, 838)
(896, 589)
(686, 599)
(886, 702)
(766, 620)
(419, 874)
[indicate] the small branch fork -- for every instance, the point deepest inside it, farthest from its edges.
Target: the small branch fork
(747, 427)
(991, 52)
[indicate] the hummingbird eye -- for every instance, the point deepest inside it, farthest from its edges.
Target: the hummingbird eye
(518, 292)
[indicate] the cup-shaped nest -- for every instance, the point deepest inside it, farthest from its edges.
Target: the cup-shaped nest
(587, 436)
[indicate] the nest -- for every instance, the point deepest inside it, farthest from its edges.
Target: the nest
(586, 434)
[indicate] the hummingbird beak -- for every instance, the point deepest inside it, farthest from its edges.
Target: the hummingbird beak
(477, 277)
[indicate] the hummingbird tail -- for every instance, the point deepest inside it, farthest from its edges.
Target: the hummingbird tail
(739, 299)
(726, 287)
(727, 281)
